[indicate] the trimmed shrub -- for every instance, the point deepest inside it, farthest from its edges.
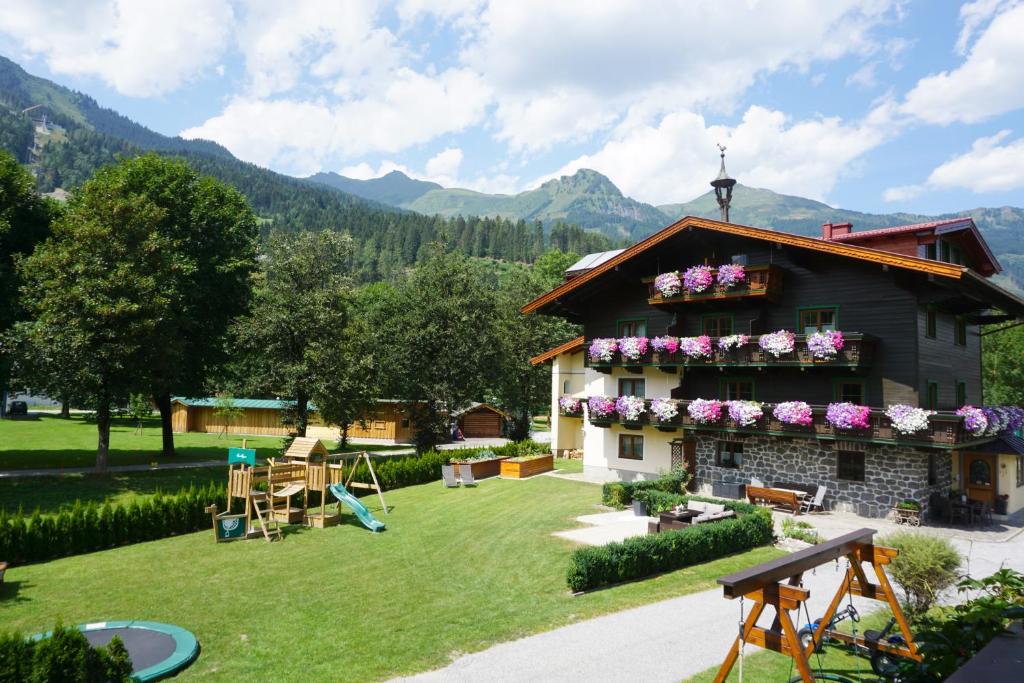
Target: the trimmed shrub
(660, 501)
(621, 493)
(642, 556)
(925, 567)
(64, 656)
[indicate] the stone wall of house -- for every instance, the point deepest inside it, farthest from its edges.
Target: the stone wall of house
(891, 473)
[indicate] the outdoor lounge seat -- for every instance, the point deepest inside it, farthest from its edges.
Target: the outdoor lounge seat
(466, 475)
(817, 502)
(754, 481)
(448, 476)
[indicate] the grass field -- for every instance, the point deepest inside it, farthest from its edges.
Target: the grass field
(54, 442)
(456, 571)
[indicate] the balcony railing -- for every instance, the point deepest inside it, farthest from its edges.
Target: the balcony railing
(945, 429)
(857, 352)
(761, 282)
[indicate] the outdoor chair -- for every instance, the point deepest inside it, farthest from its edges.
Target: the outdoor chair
(817, 502)
(754, 481)
(960, 513)
(448, 475)
(466, 475)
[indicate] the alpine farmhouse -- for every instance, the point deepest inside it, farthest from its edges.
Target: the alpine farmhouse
(712, 325)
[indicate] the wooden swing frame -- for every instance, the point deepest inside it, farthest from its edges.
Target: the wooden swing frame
(763, 586)
(375, 486)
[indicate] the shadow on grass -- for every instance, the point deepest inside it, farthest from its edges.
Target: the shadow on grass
(9, 591)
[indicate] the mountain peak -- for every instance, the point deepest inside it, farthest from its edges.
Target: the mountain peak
(585, 180)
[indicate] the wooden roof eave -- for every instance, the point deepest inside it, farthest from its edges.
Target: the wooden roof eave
(912, 263)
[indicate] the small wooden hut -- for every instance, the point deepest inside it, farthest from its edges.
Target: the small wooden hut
(481, 420)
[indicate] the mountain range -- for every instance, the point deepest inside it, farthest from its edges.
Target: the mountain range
(591, 200)
(394, 217)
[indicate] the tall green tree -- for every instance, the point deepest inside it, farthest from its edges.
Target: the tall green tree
(24, 222)
(518, 387)
(434, 339)
(98, 295)
(1003, 366)
(211, 236)
(300, 313)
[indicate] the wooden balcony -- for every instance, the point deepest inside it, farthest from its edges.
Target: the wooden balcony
(763, 282)
(857, 352)
(945, 432)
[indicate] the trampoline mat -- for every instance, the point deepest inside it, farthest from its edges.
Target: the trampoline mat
(145, 647)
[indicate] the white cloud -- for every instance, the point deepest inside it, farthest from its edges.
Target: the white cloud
(989, 166)
(973, 15)
(298, 136)
(864, 77)
(287, 42)
(445, 163)
(674, 160)
(138, 48)
(989, 82)
(601, 61)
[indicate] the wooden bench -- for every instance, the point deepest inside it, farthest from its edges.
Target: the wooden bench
(775, 497)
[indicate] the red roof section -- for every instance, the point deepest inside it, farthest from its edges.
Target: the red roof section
(899, 229)
(573, 345)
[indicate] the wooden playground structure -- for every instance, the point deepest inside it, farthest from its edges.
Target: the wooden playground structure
(778, 584)
(270, 493)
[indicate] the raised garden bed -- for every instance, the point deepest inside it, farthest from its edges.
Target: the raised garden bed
(521, 468)
(491, 467)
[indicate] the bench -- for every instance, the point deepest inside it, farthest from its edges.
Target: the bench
(788, 499)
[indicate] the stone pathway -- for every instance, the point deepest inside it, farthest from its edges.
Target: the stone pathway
(606, 527)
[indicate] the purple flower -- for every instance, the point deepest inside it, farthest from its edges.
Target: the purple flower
(974, 419)
(664, 409)
(633, 348)
(603, 350)
(600, 407)
(665, 344)
(794, 413)
(570, 405)
(733, 341)
(777, 343)
(745, 413)
(696, 347)
(630, 408)
(668, 284)
(698, 278)
(705, 411)
(730, 275)
(825, 344)
(848, 416)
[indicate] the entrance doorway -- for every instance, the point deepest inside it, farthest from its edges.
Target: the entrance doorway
(684, 454)
(980, 477)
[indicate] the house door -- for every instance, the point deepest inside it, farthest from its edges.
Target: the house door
(684, 454)
(979, 477)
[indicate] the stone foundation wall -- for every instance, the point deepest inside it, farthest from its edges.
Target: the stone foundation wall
(891, 473)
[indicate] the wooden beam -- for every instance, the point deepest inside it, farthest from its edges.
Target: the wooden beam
(759, 577)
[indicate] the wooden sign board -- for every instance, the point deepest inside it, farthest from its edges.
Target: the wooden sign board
(242, 456)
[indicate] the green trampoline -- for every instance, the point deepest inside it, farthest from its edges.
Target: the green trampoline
(156, 650)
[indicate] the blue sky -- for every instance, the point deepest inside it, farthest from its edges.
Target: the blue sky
(874, 105)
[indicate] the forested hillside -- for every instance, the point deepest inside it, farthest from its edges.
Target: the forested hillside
(87, 136)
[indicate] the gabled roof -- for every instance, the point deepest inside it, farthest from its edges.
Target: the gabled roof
(568, 347)
(480, 406)
(913, 263)
(939, 227)
(256, 403)
(593, 260)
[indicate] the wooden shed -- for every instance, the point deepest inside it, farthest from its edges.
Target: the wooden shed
(481, 420)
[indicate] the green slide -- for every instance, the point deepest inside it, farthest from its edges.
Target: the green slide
(364, 515)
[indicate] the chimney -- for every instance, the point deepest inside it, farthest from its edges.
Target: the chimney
(830, 230)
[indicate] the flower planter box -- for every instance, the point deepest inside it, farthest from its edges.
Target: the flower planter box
(481, 469)
(521, 468)
(905, 516)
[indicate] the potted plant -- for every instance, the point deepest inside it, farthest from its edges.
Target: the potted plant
(1001, 504)
(639, 508)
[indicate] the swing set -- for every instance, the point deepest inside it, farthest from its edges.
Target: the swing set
(778, 584)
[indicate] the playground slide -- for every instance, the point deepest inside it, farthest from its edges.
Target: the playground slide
(364, 515)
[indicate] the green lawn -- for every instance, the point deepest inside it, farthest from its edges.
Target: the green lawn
(456, 571)
(568, 466)
(54, 442)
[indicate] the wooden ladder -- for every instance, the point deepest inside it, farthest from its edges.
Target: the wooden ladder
(268, 524)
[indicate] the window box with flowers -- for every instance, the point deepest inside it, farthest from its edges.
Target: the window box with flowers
(664, 414)
(792, 416)
(704, 412)
(746, 414)
(569, 406)
(848, 418)
(821, 347)
(732, 349)
(634, 350)
(664, 350)
(908, 421)
(697, 350)
(776, 345)
(631, 410)
(600, 411)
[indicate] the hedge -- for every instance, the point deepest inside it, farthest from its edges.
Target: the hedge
(89, 527)
(64, 656)
(642, 556)
(660, 501)
(622, 493)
